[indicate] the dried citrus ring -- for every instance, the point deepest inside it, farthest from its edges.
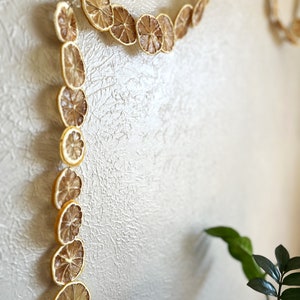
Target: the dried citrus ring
(183, 21)
(65, 22)
(167, 28)
(99, 13)
(149, 34)
(72, 146)
(68, 222)
(198, 12)
(123, 29)
(72, 106)
(72, 65)
(67, 187)
(67, 262)
(74, 291)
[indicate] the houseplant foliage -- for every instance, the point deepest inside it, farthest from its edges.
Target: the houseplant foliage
(257, 267)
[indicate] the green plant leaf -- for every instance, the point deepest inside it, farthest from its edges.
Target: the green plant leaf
(282, 257)
(223, 232)
(251, 269)
(293, 264)
(290, 294)
(262, 286)
(292, 279)
(241, 249)
(268, 267)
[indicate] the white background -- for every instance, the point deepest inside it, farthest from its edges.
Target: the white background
(206, 135)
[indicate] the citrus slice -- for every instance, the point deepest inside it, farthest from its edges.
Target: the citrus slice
(67, 262)
(72, 146)
(65, 22)
(68, 222)
(123, 29)
(183, 21)
(167, 28)
(149, 34)
(198, 12)
(72, 65)
(67, 187)
(99, 13)
(72, 106)
(74, 291)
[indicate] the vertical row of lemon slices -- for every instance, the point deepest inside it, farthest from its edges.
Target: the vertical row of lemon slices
(67, 262)
(154, 34)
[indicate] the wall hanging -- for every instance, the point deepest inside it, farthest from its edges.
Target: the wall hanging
(154, 35)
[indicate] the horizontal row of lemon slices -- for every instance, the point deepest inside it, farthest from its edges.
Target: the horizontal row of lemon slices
(68, 261)
(154, 34)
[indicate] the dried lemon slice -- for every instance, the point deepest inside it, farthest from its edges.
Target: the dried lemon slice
(72, 65)
(68, 222)
(149, 34)
(74, 291)
(183, 21)
(123, 29)
(99, 13)
(67, 187)
(67, 262)
(72, 146)
(65, 22)
(198, 12)
(167, 28)
(72, 106)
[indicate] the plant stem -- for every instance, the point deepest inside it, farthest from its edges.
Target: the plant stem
(280, 286)
(279, 291)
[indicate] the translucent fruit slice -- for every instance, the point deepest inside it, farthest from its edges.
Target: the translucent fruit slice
(167, 28)
(68, 222)
(67, 187)
(198, 12)
(99, 13)
(74, 291)
(72, 106)
(72, 146)
(183, 21)
(149, 34)
(123, 29)
(65, 22)
(72, 65)
(67, 262)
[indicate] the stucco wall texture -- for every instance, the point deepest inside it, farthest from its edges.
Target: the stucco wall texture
(206, 135)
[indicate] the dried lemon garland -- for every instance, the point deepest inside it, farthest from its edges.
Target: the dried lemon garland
(290, 33)
(154, 34)
(67, 262)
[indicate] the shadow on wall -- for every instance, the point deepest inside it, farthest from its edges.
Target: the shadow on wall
(195, 250)
(180, 275)
(44, 68)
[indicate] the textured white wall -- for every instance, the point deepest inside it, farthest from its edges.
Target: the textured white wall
(204, 136)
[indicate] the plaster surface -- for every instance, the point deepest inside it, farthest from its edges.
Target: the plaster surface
(206, 135)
